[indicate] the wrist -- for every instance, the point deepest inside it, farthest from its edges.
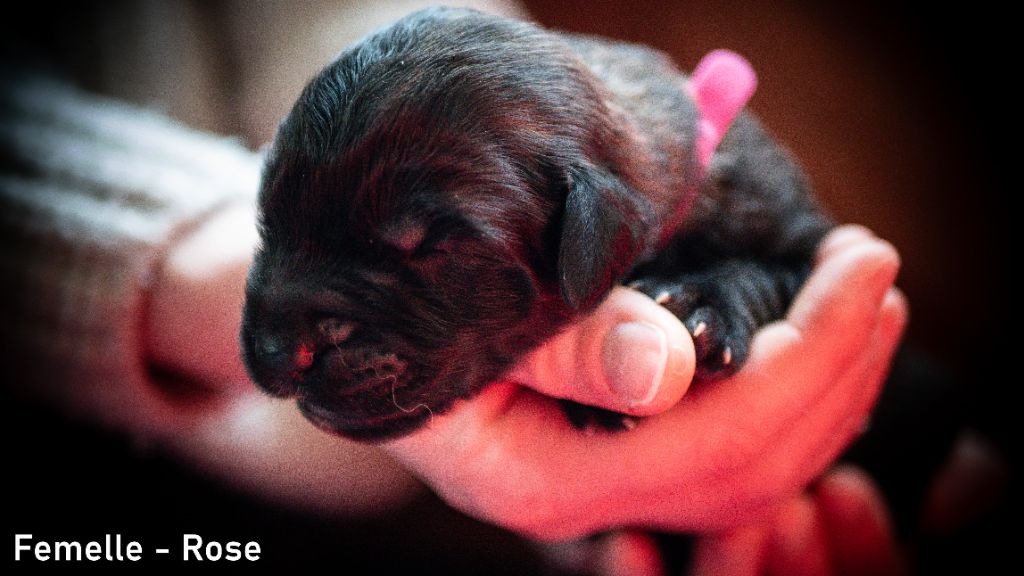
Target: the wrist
(190, 327)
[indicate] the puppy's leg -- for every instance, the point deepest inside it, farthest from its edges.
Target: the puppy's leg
(748, 247)
(736, 265)
(723, 304)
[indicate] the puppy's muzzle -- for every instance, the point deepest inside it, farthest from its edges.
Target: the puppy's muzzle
(284, 361)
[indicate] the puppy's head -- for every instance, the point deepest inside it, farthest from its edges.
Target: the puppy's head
(442, 198)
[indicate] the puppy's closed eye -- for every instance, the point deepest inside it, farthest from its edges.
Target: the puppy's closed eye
(418, 238)
(405, 235)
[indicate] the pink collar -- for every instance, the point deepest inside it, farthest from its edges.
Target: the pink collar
(721, 85)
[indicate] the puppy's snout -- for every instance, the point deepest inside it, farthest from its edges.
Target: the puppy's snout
(272, 349)
(291, 348)
(291, 355)
(274, 360)
(285, 355)
(335, 331)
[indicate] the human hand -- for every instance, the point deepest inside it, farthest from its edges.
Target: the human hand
(712, 461)
(492, 458)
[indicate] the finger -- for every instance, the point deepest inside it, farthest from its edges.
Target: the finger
(856, 524)
(510, 457)
(797, 543)
(630, 355)
(788, 375)
(760, 435)
(768, 432)
(863, 270)
(812, 442)
(842, 237)
(629, 553)
(842, 415)
(738, 552)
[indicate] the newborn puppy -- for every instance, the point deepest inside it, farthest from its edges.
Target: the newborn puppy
(458, 187)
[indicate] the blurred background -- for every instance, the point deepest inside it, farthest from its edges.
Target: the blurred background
(901, 116)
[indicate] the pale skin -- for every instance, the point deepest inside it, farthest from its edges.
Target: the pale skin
(730, 460)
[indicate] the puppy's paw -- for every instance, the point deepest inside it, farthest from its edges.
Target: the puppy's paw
(591, 420)
(715, 319)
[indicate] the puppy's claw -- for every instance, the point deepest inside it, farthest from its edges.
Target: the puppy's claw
(628, 423)
(699, 329)
(663, 298)
(727, 356)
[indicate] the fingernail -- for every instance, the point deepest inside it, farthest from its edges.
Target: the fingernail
(634, 358)
(682, 368)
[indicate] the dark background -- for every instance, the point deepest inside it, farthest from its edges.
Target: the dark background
(903, 118)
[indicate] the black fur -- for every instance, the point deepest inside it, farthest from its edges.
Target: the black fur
(458, 187)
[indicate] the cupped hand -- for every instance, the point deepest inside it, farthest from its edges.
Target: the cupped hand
(712, 460)
(709, 458)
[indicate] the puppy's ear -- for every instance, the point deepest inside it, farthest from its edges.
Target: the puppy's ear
(603, 234)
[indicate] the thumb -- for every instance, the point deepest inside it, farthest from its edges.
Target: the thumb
(629, 355)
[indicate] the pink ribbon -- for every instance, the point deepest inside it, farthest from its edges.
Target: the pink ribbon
(721, 85)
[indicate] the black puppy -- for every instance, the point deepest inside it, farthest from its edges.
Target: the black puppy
(456, 188)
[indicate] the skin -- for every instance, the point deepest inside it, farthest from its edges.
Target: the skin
(723, 457)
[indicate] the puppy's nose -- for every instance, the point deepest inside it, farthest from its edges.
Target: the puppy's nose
(294, 354)
(270, 346)
(282, 356)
